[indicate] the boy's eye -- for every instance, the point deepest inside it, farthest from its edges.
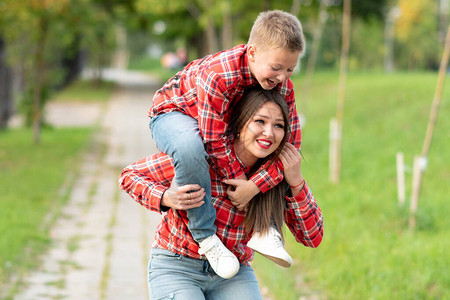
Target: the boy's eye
(275, 69)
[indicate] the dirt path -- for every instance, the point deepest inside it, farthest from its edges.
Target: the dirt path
(101, 241)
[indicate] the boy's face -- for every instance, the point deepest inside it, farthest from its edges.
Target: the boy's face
(272, 66)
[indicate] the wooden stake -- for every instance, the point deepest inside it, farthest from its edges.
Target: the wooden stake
(437, 96)
(417, 176)
(341, 87)
(332, 154)
(400, 179)
(421, 162)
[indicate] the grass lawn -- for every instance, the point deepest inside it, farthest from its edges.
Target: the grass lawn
(31, 180)
(368, 251)
(86, 91)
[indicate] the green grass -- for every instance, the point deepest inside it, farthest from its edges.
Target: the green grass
(367, 251)
(31, 179)
(86, 91)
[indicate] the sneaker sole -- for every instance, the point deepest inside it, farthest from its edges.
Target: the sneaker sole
(277, 260)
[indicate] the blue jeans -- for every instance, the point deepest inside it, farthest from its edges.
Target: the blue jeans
(172, 276)
(178, 135)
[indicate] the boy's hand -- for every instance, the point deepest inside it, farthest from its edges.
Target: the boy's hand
(240, 192)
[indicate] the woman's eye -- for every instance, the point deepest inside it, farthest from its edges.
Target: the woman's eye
(279, 126)
(259, 121)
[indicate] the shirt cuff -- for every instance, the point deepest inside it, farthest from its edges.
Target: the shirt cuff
(302, 198)
(157, 194)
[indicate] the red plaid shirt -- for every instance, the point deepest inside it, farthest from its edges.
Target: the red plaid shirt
(206, 90)
(147, 179)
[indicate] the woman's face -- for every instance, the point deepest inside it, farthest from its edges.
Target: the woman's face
(261, 135)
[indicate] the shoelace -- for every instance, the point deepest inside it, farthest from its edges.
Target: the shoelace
(277, 240)
(215, 252)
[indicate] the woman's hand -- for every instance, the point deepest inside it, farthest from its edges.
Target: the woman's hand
(291, 160)
(186, 197)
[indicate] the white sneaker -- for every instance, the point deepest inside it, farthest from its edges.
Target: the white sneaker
(222, 260)
(271, 246)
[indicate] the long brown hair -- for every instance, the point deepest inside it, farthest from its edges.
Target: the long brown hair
(267, 208)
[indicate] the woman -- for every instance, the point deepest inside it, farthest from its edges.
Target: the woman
(259, 130)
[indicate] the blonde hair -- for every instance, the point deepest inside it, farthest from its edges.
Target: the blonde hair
(277, 29)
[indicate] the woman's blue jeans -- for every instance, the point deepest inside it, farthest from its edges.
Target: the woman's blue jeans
(178, 135)
(172, 276)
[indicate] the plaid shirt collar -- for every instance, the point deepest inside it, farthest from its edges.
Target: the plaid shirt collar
(247, 77)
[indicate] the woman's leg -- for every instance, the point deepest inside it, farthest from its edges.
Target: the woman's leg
(178, 135)
(243, 285)
(171, 276)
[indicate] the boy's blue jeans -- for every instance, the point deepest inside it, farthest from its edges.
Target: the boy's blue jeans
(178, 135)
(172, 276)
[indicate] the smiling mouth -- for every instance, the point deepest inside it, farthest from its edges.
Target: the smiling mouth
(271, 82)
(264, 144)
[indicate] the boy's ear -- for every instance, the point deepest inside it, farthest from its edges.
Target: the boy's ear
(251, 50)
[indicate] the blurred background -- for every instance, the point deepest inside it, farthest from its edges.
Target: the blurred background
(385, 58)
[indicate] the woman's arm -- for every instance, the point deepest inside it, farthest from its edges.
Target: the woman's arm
(147, 181)
(303, 216)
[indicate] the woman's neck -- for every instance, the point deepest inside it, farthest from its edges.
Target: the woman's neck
(244, 156)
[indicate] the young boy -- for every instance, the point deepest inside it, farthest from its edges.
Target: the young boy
(191, 112)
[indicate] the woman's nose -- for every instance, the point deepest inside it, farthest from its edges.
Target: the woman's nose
(268, 131)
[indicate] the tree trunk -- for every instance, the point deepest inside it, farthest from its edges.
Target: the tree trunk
(317, 36)
(38, 78)
(6, 103)
(295, 7)
(444, 7)
(211, 39)
(227, 31)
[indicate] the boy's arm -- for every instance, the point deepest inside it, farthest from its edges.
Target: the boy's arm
(147, 179)
(268, 178)
(213, 107)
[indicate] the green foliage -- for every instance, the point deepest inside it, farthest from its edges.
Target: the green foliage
(367, 251)
(367, 45)
(31, 178)
(417, 43)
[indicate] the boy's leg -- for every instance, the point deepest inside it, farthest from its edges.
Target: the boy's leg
(178, 135)
(271, 246)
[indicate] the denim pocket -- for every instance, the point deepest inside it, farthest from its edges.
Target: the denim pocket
(163, 254)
